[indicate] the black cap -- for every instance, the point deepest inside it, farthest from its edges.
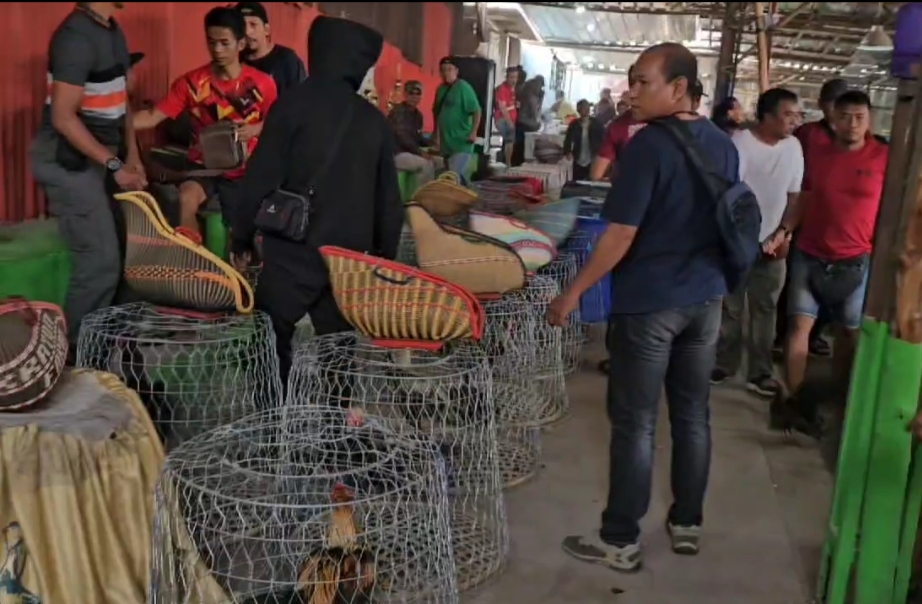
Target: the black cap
(697, 90)
(414, 86)
(448, 61)
(253, 9)
(832, 89)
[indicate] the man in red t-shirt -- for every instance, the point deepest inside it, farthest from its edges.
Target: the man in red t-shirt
(505, 112)
(617, 134)
(829, 266)
(813, 137)
(223, 90)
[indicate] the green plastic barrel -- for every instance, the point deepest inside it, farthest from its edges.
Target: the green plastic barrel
(34, 262)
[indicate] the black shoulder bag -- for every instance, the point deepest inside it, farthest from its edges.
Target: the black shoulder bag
(285, 214)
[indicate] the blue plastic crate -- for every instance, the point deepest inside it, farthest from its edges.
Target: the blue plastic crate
(595, 304)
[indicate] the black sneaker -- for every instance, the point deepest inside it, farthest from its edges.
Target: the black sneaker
(765, 385)
(719, 376)
(820, 347)
(795, 414)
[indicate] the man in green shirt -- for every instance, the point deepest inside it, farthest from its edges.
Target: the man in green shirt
(457, 115)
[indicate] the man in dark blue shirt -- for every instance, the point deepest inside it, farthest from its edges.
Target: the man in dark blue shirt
(663, 249)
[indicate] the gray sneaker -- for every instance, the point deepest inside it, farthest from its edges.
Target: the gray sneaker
(592, 549)
(684, 538)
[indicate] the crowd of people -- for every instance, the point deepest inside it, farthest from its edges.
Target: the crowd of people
(676, 316)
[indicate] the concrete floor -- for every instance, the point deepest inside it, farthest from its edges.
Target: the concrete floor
(765, 518)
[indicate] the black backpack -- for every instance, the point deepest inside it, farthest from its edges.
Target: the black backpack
(737, 212)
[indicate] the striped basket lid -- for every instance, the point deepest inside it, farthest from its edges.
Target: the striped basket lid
(33, 349)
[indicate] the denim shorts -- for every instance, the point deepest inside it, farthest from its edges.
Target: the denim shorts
(801, 300)
(506, 130)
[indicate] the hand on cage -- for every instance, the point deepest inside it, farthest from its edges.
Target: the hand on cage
(560, 309)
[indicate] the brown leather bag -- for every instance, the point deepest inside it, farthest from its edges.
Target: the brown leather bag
(221, 147)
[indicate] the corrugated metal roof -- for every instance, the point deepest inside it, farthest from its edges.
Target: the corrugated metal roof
(592, 27)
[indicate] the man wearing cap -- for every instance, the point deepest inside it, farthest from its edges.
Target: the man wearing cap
(457, 115)
(280, 62)
(406, 122)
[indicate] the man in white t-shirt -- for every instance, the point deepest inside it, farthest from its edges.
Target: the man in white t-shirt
(772, 164)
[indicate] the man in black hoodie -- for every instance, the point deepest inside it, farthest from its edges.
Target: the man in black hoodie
(356, 200)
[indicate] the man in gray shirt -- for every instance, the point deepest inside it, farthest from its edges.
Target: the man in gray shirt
(85, 138)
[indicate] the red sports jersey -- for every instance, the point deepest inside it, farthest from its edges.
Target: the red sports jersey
(618, 133)
(843, 189)
(209, 99)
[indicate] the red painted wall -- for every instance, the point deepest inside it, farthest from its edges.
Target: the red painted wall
(170, 34)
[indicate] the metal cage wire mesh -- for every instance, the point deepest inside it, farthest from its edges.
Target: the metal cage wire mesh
(305, 505)
(445, 398)
(406, 247)
(519, 407)
(563, 270)
(192, 374)
(548, 348)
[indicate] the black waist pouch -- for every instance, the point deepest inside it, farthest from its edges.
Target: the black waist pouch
(832, 282)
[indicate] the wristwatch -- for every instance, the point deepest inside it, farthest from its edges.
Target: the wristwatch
(113, 165)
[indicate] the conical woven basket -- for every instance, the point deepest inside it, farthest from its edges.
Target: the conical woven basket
(535, 247)
(399, 306)
(444, 197)
(478, 263)
(166, 268)
(33, 350)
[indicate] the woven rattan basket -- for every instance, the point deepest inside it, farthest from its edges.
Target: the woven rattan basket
(535, 247)
(444, 197)
(399, 306)
(33, 350)
(478, 263)
(166, 268)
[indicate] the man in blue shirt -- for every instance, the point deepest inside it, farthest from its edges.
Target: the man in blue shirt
(663, 249)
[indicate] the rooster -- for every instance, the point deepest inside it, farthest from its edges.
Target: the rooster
(344, 572)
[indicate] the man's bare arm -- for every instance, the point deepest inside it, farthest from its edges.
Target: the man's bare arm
(147, 119)
(65, 118)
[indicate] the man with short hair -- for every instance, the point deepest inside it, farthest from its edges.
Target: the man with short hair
(813, 137)
(506, 111)
(223, 90)
(406, 122)
(280, 62)
(582, 141)
(457, 116)
(772, 164)
(829, 268)
(85, 143)
(617, 133)
(664, 250)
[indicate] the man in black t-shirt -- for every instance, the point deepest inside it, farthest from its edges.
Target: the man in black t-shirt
(280, 62)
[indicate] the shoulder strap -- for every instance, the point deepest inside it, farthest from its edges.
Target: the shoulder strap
(333, 149)
(702, 165)
(438, 106)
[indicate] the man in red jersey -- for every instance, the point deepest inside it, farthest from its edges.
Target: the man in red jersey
(813, 137)
(223, 90)
(506, 111)
(836, 215)
(617, 134)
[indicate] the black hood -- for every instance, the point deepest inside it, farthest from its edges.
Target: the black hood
(342, 49)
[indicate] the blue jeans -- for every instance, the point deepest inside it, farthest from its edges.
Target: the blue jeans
(458, 163)
(676, 349)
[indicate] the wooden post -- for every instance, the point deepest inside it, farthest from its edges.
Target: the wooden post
(726, 67)
(762, 42)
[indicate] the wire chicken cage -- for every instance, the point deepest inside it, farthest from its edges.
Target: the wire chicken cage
(440, 397)
(507, 342)
(563, 270)
(309, 505)
(547, 354)
(192, 373)
(406, 248)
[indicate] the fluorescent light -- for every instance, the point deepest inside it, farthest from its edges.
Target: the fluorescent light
(591, 27)
(580, 9)
(876, 40)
